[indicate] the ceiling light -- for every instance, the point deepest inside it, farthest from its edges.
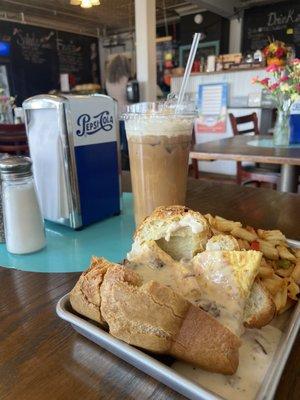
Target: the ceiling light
(85, 3)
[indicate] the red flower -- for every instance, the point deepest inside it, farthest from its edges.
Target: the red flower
(297, 87)
(272, 68)
(274, 86)
(265, 81)
(296, 61)
(284, 78)
(279, 52)
(266, 51)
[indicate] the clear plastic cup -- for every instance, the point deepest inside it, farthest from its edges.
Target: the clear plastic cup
(159, 143)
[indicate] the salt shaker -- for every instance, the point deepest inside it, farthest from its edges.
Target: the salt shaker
(23, 222)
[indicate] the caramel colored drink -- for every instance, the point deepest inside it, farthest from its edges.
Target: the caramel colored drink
(159, 151)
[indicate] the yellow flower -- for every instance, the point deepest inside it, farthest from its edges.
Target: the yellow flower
(285, 87)
(295, 97)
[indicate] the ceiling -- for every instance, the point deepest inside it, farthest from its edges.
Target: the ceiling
(112, 16)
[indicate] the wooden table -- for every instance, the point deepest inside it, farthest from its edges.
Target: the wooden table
(42, 358)
(237, 149)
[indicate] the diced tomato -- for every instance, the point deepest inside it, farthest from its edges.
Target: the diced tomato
(255, 245)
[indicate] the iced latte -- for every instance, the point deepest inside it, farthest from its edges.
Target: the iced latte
(159, 144)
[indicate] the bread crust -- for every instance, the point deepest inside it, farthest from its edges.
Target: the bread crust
(222, 242)
(147, 316)
(154, 317)
(168, 215)
(178, 230)
(204, 342)
(265, 313)
(85, 296)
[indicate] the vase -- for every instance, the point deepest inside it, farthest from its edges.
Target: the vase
(5, 115)
(282, 130)
(4, 118)
(279, 62)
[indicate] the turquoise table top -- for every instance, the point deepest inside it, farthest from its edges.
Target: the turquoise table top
(70, 251)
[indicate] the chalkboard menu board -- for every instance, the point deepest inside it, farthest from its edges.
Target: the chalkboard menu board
(38, 55)
(279, 21)
(33, 61)
(78, 55)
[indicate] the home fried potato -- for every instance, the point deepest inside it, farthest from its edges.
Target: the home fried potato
(296, 272)
(293, 289)
(243, 234)
(280, 297)
(274, 284)
(285, 253)
(280, 265)
(268, 249)
(271, 236)
(222, 224)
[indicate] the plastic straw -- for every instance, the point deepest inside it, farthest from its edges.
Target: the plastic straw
(188, 69)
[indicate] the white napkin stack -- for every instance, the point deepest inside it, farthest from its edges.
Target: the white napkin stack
(46, 151)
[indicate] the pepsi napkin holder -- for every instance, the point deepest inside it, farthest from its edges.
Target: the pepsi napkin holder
(73, 143)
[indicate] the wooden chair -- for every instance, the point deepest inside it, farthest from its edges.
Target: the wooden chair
(13, 139)
(257, 173)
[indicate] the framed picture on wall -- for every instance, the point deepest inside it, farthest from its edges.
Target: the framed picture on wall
(204, 49)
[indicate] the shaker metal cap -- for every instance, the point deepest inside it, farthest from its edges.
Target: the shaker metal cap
(15, 167)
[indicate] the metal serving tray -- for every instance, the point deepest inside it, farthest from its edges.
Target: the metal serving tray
(165, 374)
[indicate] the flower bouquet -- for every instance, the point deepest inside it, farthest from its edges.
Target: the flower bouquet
(6, 104)
(276, 53)
(284, 87)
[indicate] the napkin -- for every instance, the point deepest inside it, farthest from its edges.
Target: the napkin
(46, 151)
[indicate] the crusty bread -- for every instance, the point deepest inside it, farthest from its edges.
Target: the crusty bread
(178, 230)
(222, 242)
(85, 296)
(154, 317)
(204, 342)
(146, 316)
(260, 308)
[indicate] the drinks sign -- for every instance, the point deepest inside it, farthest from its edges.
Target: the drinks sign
(277, 19)
(280, 21)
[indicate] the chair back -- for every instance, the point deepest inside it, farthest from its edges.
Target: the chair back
(12, 128)
(245, 119)
(13, 139)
